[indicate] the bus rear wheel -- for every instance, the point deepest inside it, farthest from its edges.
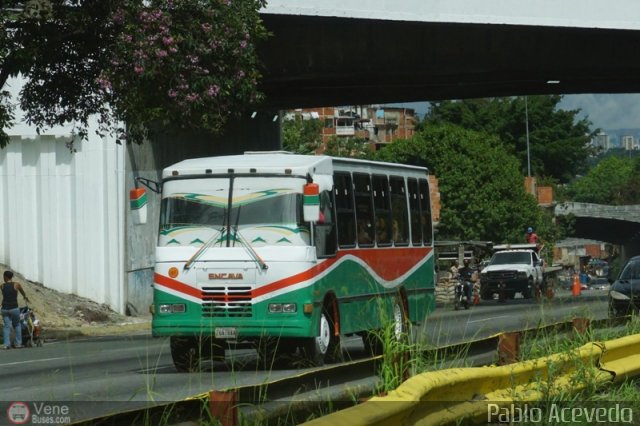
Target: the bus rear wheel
(374, 340)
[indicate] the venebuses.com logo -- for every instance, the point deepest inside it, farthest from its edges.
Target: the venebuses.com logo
(18, 413)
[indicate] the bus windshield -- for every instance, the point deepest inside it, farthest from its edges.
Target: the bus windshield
(203, 205)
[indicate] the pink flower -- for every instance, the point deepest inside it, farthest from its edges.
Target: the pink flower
(206, 28)
(243, 44)
(138, 69)
(192, 97)
(172, 93)
(118, 16)
(103, 83)
(167, 40)
(213, 90)
(161, 53)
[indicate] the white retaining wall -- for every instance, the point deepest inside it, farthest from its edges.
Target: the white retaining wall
(62, 213)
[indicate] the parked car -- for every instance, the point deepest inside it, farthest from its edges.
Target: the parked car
(624, 294)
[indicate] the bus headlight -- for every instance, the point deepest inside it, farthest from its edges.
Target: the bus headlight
(172, 308)
(275, 307)
(289, 308)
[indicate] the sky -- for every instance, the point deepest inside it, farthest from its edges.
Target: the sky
(605, 111)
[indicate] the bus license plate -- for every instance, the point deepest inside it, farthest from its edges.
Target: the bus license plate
(225, 333)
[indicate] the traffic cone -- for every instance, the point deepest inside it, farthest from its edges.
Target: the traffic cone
(575, 288)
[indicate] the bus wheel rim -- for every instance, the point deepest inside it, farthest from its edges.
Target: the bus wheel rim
(324, 337)
(398, 320)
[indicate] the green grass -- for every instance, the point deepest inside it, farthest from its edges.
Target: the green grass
(402, 358)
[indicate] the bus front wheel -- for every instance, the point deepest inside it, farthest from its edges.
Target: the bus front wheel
(316, 348)
(185, 352)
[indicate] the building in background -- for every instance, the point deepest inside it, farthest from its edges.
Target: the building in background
(601, 142)
(629, 143)
(376, 125)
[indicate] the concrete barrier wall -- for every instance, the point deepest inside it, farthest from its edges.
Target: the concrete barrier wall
(61, 220)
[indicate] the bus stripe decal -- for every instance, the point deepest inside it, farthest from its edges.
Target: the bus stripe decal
(177, 285)
(404, 260)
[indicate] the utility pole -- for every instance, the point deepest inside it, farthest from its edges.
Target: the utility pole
(526, 115)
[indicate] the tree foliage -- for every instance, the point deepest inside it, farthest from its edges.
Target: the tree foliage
(614, 180)
(185, 64)
(353, 147)
(481, 186)
(302, 136)
(558, 141)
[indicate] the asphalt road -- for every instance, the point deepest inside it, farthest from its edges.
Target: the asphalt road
(126, 372)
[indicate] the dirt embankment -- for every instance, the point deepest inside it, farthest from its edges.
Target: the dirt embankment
(68, 314)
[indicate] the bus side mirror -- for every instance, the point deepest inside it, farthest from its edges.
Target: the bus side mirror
(138, 205)
(311, 202)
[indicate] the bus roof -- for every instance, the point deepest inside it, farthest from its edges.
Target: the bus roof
(262, 162)
(274, 162)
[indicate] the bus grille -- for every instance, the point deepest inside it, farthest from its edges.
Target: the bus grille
(226, 301)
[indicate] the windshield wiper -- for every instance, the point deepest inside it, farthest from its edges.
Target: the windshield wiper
(244, 243)
(201, 250)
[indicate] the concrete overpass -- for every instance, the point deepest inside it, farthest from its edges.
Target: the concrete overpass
(341, 52)
(614, 224)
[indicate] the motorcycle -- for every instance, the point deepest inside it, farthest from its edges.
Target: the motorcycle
(463, 291)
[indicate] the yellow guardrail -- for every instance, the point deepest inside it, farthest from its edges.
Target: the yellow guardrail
(447, 396)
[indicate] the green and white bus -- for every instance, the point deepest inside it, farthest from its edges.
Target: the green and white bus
(288, 252)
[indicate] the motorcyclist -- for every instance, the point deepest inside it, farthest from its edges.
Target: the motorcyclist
(466, 274)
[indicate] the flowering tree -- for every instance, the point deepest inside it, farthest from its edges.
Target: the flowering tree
(148, 64)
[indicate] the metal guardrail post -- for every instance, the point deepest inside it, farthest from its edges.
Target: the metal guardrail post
(581, 325)
(509, 348)
(223, 406)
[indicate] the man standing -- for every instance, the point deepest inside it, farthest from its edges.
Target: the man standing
(10, 310)
(531, 237)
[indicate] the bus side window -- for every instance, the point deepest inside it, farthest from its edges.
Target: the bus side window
(325, 229)
(414, 210)
(346, 220)
(382, 211)
(425, 211)
(364, 209)
(400, 219)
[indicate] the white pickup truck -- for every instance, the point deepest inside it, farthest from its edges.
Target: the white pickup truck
(513, 268)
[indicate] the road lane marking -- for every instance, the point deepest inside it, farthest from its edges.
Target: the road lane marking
(32, 361)
(488, 319)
